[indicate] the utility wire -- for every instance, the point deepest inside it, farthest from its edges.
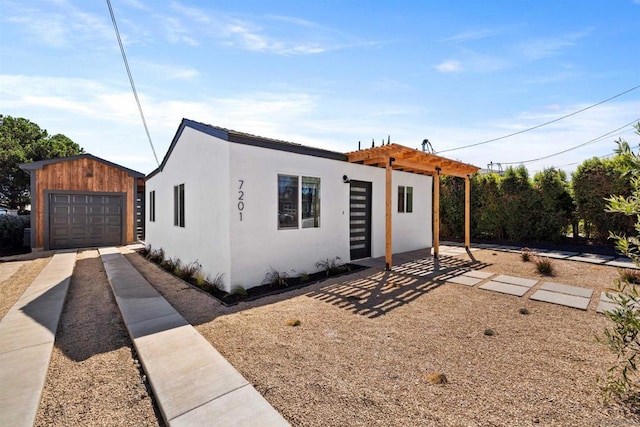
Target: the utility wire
(133, 86)
(540, 125)
(574, 147)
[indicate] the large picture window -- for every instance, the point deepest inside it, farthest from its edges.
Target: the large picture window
(178, 205)
(298, 202)
(405, 199)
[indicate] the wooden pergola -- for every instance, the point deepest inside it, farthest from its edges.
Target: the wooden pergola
(399, 157)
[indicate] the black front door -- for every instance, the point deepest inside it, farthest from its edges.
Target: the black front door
(360, 219)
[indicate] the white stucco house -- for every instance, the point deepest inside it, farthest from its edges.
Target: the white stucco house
(240, 204)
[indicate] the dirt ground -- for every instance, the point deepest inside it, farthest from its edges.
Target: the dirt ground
(362, 355)
(367, 344)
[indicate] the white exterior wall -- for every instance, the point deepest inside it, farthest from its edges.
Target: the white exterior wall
(201, 163)
(244, 250)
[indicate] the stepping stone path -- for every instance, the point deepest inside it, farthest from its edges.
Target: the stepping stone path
(470, 278)
(605, 303)
(509, 285)
(570, 296)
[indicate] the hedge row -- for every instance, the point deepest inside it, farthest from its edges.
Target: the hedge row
(514, 207)
(12, 230)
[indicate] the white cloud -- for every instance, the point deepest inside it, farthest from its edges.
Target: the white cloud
(449, 66)
(549, 46)
(474, 35)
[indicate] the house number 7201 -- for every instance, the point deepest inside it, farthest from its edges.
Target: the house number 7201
(240, 198)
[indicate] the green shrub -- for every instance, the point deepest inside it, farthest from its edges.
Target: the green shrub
(333, 266)
(276, 279)
(525, 254)
(623, 338)
(544, 266)
(12, 230)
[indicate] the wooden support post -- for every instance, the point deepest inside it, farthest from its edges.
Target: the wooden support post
(436, 213)
(388, 199)
(467, 212)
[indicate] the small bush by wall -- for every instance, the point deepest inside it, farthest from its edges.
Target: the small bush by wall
(12, 230)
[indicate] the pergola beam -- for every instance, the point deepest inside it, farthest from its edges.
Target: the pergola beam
(398, 157)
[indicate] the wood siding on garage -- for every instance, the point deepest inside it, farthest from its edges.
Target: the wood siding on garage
(84, 175)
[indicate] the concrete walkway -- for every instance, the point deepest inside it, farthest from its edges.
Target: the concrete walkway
(613, 261)
(27, 334)
(192, 383)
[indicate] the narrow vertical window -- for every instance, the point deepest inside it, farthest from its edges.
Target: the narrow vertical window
(178, 205)
(287, 201)
(310, 202)
(400, 198)
(409, 203)
(152, 206)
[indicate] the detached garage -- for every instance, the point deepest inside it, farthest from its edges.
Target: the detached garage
(84, 201)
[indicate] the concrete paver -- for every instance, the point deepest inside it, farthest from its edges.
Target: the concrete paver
(512, 280)
(464, 280)
(566, 289)
(505, 288)
(622, 262)
(478, 274)
(27, 335)
(193, 384)
(591, 258)
(561, 299)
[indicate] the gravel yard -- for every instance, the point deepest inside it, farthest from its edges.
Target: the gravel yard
(365, 348)
(362, 355)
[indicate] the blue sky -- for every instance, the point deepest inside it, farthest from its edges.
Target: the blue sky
(329, 73)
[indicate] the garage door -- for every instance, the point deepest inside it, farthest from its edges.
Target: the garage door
(82, 220)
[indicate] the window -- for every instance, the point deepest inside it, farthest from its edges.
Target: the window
(310, 202)
(178, 205)
(405, 199)
(287, 201)
(298, 202)
(152, 206)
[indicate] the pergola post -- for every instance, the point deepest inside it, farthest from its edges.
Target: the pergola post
(467, 212)
(436, 213)
(388, 198)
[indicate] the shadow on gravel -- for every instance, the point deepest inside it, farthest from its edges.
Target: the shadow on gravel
(383, 291)
(90, 323)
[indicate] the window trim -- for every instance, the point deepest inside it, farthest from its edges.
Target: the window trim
(298, 221)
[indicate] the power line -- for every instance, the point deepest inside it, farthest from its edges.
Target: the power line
(574, 147)
(133, 86)
(540, 125)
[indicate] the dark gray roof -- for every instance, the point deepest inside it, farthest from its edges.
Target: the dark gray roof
(247, 139)
(41, 163)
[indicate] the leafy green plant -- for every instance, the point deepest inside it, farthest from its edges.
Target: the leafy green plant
(170, 264)
(303, 277)
(623, 337)
(239, 290)
(544, 266)
(333, 266)
(277, 279)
